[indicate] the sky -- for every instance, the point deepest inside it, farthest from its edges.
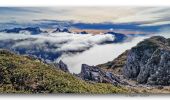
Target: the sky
(146, 16)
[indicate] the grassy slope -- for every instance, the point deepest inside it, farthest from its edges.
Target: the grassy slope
(21, 74)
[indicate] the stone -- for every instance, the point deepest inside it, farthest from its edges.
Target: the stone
(149, 62)
(94, 73)
(61, 65)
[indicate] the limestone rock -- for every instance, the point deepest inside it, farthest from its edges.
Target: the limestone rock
(149, 62)
(94, 73)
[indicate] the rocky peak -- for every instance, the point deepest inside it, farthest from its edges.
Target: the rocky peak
(61, 30)
(149, 62)
(61, 65)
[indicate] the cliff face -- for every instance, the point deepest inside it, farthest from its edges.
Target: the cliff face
(149, 62)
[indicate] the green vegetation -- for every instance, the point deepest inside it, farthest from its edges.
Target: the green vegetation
(22, 74)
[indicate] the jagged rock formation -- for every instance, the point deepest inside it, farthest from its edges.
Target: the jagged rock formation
(149, 62)
(61, 65)
(94, 73)
(32, 30)
(61, 30)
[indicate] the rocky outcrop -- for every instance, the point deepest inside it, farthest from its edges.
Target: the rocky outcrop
(61, 30)
(62, 66)
(95, 74)
(149, 62)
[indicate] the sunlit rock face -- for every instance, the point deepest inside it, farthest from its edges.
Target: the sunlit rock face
(149, 62)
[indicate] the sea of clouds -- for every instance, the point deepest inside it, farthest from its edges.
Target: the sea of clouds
(77, 49)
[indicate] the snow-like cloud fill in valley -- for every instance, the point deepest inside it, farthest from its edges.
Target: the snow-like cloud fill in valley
(64, 41)
(94, 53)
(98, 54)
(103, 53)
(49, 44)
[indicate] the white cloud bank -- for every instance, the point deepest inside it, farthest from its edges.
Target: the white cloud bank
(103, 53)
(97, 54)
(65, 41)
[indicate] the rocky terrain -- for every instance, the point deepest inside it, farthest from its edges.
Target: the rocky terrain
(145, 67)
(149, 62)
(146, 63)
(95, 74)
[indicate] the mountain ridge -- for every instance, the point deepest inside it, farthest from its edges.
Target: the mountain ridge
(22, 74)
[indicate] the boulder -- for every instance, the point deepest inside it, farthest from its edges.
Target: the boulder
(94, 73)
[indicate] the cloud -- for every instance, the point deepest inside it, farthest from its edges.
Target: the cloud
(98, 54)
(49, 46)
(148, 16)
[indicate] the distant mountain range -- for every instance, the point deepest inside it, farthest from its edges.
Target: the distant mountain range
(32, 30)
(119, 37)
(47, 50)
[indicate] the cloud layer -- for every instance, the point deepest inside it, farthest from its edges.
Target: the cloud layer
(49, 46)
(73, 49)
(147, 16)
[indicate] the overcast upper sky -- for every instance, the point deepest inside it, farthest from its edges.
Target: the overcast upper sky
(149, 16)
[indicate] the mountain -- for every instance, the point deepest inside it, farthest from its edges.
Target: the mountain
(147, 63)
(24, 74)
(61, 30)
(32, 30)
(118, 36)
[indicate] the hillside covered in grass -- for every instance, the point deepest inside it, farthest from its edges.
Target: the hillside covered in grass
(23, 74)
